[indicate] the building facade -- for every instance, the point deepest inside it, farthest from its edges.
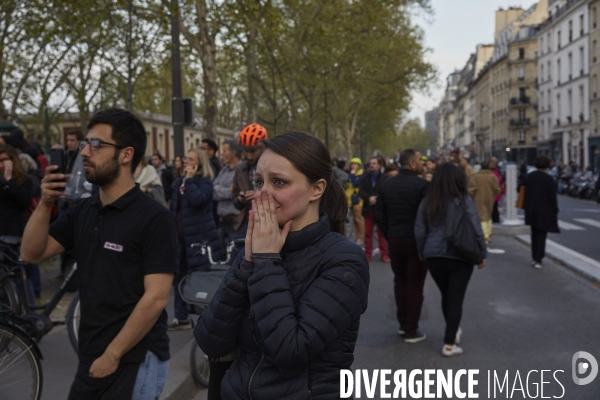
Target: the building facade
(431, 125)
(564, 60)
(594, 57)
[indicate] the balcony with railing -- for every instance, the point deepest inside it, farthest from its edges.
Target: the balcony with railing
(520, 122)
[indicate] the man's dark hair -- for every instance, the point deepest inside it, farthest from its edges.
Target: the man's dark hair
(127, 131)
(76, 132)
(541, 162)
(157, 154)
(233, 146)
(406, 157)
(341, 164)
(378, 158)
(485, 164)
(211, 143)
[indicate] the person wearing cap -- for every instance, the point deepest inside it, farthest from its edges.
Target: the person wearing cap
(244, 180)
(355, 203)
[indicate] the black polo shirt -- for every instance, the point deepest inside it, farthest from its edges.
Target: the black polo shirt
(115, 247)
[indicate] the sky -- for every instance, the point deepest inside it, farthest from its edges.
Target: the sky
(452, 33)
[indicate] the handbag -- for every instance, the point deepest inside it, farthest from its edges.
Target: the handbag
(461, 234)
(198, 288)
(521, 198)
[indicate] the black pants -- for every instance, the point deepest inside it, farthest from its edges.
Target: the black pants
(118, 386)
(409, 277)
(538, 244)
(495, 214)
(452, 277)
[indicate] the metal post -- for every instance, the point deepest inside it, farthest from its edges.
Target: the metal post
(177, 103)
(47, 129)
(511, 218)
(326, 126)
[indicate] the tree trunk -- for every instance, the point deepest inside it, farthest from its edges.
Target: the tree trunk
(251, 74)
(208, 59)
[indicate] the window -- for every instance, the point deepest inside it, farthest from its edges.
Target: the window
(521, 136)
(594, 16)
(521, 114)
(541, 73)
(549, 71)
(595, 85)
(549, 41)
(558, 71)
(542, 101)
(549, 99)
(521, 53)
(581, 59)
(522, 92)
(570, 31)
(521, 73)
(570, 105)
(549, 126)
(558, 43)
(542, 45)
(558, 107)
(582, 29)
(570, 66)
(594, 50)
(581, 103)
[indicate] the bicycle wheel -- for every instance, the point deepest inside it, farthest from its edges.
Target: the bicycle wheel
(20, 366)
(72, 317)
(199, 365)
(9, 296)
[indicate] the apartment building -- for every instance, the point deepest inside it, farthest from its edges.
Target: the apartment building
(564, 61)
(594, 43)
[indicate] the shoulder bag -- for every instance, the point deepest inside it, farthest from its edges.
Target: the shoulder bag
(461, 234)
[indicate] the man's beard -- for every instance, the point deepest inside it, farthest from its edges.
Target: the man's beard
(105, 174)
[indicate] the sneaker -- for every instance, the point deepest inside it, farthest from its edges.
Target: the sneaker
(401, 332)
(177, 325)
(385, 259)
(414, 338)
(537, 266)
(449, 351)
(457, 337)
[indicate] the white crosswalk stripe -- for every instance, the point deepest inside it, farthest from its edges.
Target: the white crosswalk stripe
(567, 226)
(588, 221)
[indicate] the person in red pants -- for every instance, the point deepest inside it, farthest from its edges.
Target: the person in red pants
(368, 191)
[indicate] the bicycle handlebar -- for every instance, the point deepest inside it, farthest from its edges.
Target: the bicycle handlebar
(206, 249)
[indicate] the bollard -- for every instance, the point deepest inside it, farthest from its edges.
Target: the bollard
(510, 218)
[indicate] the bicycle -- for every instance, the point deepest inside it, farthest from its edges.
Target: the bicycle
(198, 359)
(20, 361)
(13, 293)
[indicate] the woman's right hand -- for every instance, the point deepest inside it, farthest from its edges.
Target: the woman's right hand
(50, 185)
(482, 264)
(190, 171)
(248, 248)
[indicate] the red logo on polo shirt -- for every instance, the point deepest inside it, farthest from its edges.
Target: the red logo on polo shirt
(114, 247)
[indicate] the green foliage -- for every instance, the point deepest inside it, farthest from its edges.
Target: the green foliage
(349, 65)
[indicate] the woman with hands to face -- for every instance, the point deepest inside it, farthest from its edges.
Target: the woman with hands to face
(291, 302)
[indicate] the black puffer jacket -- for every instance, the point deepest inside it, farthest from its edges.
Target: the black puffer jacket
(294, 320)
(397, 204)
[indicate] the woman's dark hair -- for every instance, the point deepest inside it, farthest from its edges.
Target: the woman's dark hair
(541, 162)
(127, 131)
(19, 172)
(449, 182)
(310, 156)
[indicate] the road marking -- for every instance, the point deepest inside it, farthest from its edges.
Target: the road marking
(588, 221)
(566, 226)
(495, 251)
(589, 210)
(573, 253)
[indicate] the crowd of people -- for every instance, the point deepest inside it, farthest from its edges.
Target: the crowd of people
(292, 300)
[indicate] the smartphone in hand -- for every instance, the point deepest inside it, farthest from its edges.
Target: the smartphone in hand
(58, 157)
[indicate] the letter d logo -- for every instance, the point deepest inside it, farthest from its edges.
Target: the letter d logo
(583, 367)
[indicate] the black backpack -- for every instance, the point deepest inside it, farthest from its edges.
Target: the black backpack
(461, 234)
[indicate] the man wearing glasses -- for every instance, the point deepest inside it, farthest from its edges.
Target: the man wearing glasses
(125, 245)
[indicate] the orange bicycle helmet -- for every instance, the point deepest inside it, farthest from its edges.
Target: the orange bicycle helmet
(251, 135)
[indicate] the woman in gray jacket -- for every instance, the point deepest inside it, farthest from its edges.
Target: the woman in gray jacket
(449, 270)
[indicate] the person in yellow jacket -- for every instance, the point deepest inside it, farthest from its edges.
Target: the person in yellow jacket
(355, 203)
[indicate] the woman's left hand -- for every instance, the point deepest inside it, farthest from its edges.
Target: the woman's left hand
(266, 235)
